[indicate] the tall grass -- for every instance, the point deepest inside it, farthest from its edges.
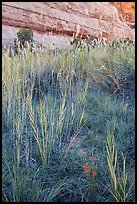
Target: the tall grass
(56, 107)
(120, 191)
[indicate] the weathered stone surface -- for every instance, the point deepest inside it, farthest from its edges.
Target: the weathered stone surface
(126, 11)
(66, 19)
(51, 41)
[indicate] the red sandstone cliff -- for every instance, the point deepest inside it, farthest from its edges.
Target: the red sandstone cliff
(126, 11)
(79, 19)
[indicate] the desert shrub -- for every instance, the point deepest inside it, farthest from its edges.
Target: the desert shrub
(25, 35)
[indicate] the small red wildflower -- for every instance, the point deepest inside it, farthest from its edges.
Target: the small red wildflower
(87, 171)
(85, 166)
(94, 173)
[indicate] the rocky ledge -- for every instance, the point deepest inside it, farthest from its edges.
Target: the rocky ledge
(63, 20)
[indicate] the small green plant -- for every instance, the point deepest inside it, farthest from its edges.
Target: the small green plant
(25, 35)
(78, 43)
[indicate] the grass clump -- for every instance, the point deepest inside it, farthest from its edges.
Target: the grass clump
(57, 110)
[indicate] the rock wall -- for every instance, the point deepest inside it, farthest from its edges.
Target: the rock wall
(126, 11)
(69, 19)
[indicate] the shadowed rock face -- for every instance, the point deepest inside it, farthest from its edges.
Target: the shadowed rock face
(62, 21)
